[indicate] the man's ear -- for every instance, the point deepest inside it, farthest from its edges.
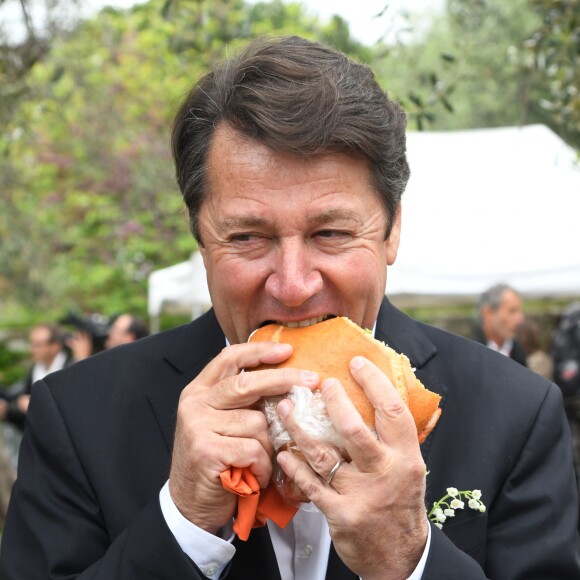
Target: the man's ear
(394, 238)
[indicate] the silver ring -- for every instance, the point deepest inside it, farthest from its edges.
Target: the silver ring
(333, 471)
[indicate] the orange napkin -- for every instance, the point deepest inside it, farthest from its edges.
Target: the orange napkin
(255, 505)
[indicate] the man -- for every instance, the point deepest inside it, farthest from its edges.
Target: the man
(291, 160)
(48, 355)
(124, 329)
(500, 314)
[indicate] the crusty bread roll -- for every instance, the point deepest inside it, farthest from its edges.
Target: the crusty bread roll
(329, 346)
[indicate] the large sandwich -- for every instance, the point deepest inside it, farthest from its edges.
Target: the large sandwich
(327, 348)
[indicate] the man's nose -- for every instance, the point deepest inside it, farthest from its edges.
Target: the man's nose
(293, 279)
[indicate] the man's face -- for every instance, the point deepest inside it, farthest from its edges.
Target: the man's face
(288, 239)
(505, 319)
(42, 349)
(119, 332)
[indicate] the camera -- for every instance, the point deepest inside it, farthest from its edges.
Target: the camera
(95, 325)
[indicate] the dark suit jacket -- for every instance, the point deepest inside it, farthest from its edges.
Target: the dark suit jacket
(97, 451)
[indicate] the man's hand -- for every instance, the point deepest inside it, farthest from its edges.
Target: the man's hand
(81, 345)
(374, 504)
(217, 429)
(22, 403)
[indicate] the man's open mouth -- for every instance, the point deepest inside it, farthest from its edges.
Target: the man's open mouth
(299, 323)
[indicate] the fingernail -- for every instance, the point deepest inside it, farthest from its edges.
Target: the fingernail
(358, 362)
(327, 383)
(309, 377)
(284, 408)
(281, 458)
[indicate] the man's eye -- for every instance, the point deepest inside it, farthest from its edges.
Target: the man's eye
(242, 237)
(331, 233)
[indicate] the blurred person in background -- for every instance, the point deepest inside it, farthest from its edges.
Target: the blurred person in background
(48, 354)
(500, 314)
(537, 359)
(124, 329)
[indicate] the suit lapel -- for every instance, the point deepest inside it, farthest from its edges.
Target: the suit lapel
(404, 335)
(192, 347)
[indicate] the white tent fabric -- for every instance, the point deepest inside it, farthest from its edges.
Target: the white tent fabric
(182, 287)
(490, 205)
(482, 206)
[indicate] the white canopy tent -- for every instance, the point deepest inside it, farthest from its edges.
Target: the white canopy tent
(181, 288)
(490, 205)
(482, 206)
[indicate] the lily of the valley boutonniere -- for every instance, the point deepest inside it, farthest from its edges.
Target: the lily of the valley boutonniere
(454, 500)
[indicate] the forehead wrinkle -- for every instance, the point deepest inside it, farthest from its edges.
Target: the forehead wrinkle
(335, 214)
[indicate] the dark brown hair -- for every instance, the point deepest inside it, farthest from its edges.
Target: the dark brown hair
(298, 97)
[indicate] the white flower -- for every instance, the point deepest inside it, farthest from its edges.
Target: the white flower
(457, 504)
(444, 509)
(438, 515)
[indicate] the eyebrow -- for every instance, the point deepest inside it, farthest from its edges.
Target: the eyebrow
(331, 215)
(242, 222)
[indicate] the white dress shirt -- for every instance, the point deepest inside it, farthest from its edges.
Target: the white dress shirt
(39, 371)
(302, 547)
(504, 349)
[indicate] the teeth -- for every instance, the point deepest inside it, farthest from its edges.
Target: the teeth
(301, 323)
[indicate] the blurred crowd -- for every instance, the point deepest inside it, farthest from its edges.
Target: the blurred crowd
(54, 346)
(503, 326)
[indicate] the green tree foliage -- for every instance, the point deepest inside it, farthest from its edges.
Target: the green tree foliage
(470, 47)
(12, 364)
(24, 41)
(414, 67)
(555, 46)
(486, 63)
(90, 204)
